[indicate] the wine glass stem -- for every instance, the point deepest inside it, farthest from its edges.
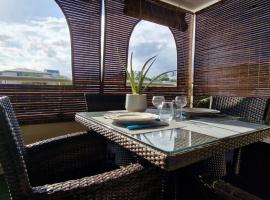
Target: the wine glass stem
(159, 110)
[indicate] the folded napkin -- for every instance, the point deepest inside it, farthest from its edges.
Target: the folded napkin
(156, 123)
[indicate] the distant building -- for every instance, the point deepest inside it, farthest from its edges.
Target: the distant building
(54, 73)
(33, 77)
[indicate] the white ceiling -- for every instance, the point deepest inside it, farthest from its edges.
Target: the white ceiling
(191, 5)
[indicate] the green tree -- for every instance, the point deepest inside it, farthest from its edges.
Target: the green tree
(164, 77)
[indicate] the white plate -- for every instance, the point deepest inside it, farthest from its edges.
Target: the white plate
(133, 117)
(200, 111)
(111, 113)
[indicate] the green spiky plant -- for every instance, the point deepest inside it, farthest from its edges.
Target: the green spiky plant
(138, 87)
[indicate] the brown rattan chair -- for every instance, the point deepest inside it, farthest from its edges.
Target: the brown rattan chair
(253, 109)
(67, 167)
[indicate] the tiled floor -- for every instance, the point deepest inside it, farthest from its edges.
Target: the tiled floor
(3, 189)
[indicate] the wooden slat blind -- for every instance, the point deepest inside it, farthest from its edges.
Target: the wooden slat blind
(85, 27)
(39, 104)
(232, 54)
(157, 13)
(118, 30)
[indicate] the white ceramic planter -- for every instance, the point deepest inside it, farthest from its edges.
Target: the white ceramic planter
(136, 102)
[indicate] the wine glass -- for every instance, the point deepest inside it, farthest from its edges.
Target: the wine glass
(157, 101)
(166, 112)
(181, 102)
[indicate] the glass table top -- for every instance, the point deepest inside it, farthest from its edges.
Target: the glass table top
(183, 135)
(171, 140)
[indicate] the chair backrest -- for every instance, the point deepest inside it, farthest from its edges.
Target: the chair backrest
(5, 103)
(267, 111)
(105, 102)
(12, 152)
(251, 108)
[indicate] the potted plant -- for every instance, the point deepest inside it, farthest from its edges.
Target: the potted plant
(137, 101)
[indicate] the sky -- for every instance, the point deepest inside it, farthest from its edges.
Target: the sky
(149, 39)
(34, 34)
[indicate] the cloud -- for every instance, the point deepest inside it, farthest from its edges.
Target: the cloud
(45, 44)
(149, 39)
(37, 44)
(4, 37)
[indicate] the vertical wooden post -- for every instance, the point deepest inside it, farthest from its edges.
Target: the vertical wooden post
(191, 50)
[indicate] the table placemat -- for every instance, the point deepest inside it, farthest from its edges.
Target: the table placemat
(109, 122)
(232, 124)
(215, 127)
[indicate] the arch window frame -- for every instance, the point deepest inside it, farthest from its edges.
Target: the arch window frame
(176, 48)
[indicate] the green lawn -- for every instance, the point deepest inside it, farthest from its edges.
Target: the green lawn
(3, 189)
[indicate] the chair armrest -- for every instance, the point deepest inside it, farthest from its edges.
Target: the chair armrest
(56, 156)
(121, 183)
(71, 146)
(55, 142)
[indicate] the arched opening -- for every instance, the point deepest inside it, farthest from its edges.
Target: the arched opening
(149, 39)
(34, 43)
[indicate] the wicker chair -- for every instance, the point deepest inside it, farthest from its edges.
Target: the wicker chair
(104, 102)
(253, 109)
(67, 167)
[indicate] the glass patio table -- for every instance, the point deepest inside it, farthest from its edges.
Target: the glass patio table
(181, 143)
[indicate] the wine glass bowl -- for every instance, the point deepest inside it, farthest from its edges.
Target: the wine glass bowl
(157, 101)
(181, 101)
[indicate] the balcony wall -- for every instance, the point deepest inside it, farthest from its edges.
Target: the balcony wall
(34, 133)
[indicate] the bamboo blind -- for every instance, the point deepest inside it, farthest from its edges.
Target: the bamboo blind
(38, 104)
(157, 13)
(118, 30)
(232, 55)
